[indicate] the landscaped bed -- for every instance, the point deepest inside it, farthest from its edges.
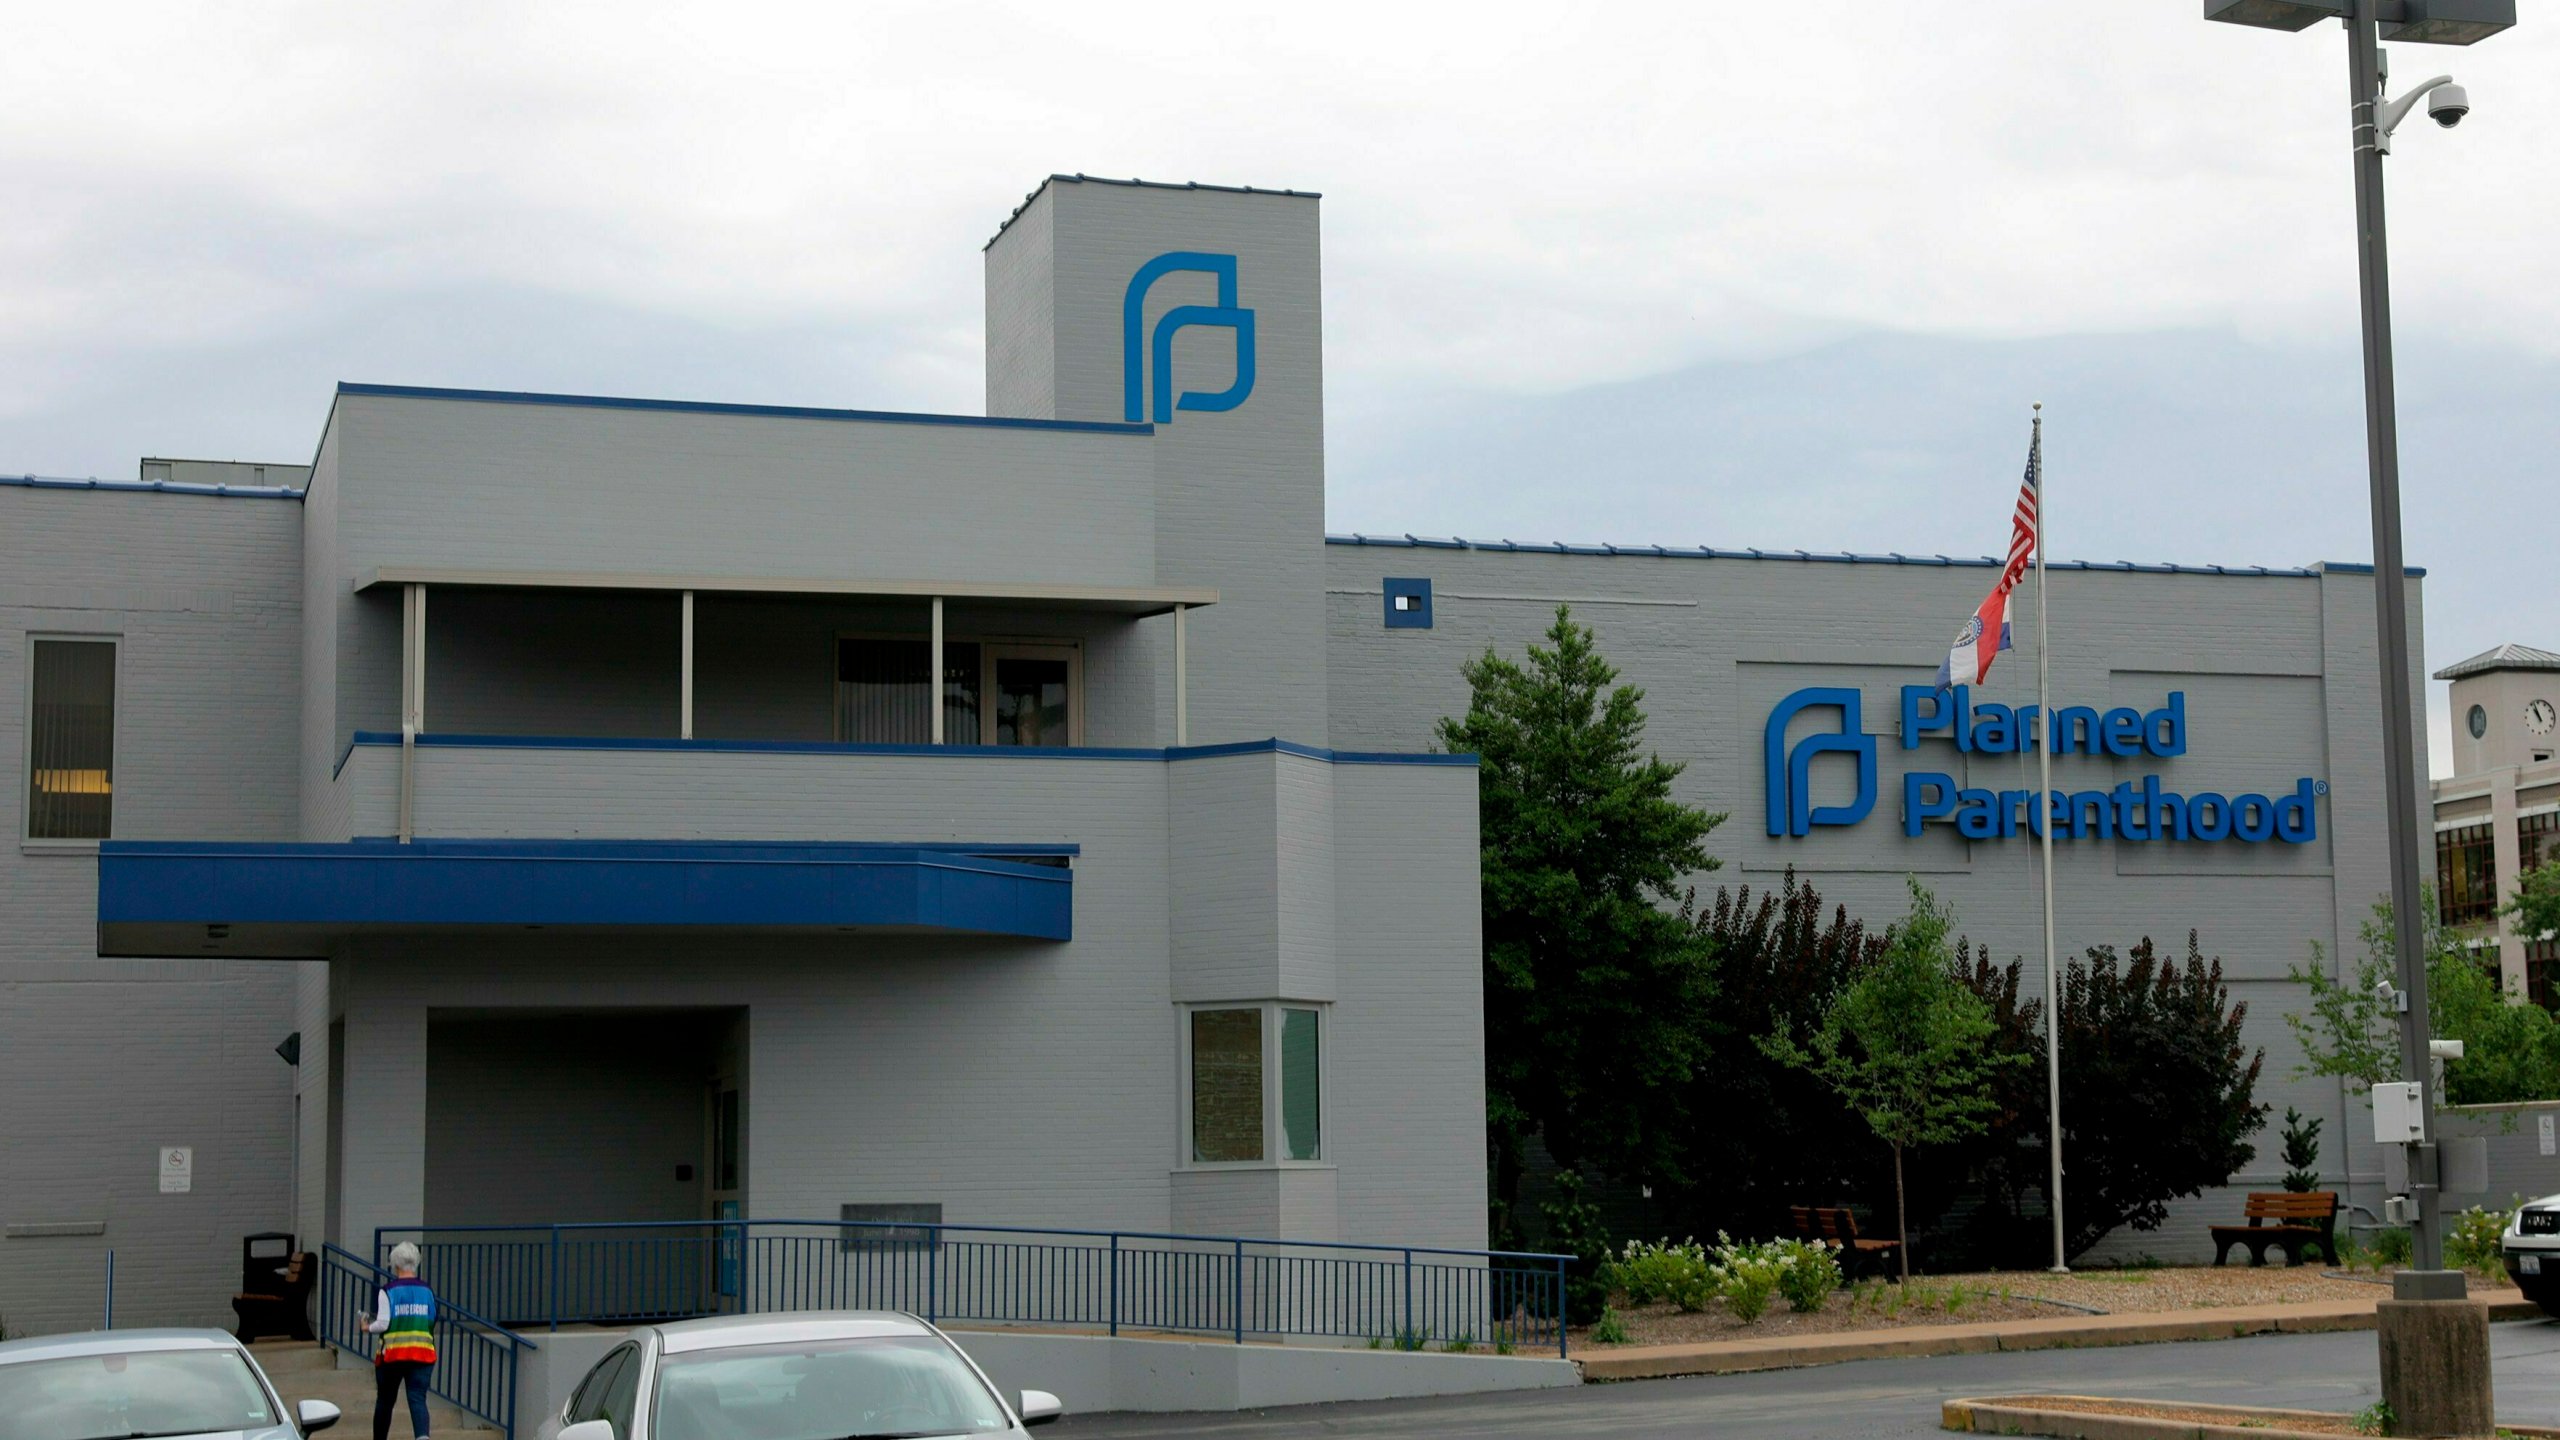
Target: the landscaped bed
(2011, 1295)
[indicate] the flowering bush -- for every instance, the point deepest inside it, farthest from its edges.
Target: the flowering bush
(1662, 1271)
(1747, 1274)
(2472, 1240)
(1812, 1273)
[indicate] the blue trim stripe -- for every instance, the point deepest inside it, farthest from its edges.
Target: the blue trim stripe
(323, 888)
(387, 738)
(713, 407)
(154, 487)
(1835, 557)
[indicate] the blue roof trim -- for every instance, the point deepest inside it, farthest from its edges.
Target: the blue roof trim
(1835, 557)
(297, 896)
(716, 407)
(389, 738)
(156, 487)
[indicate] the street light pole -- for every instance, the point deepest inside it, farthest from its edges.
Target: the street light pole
(2390, 593)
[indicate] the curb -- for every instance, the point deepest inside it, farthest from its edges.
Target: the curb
(2050, 1415)
(1734, 1357)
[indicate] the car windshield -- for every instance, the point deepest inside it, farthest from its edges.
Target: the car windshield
(889, 1385)
(133, 1393)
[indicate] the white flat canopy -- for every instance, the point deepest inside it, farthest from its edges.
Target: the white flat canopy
(1128, 599)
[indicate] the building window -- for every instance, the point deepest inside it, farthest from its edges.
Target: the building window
(71, 739)
(993, 693)
(2542, 972)
(1226, 1086)
(2466, 875)
(1408, 603)
(2538, 839)
(883, 693)
(1243, 1110)
(1301, 1088)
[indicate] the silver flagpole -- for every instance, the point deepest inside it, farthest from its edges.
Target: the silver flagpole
(2044, 794)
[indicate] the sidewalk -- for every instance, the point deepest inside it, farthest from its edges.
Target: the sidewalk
(1727, 1357)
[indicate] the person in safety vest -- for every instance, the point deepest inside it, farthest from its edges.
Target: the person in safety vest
(404, 1315)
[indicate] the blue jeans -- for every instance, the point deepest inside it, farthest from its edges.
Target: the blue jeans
(388, 1376)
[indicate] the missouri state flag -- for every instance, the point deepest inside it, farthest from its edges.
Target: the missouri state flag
(1986, 632)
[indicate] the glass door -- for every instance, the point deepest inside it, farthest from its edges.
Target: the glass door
(1032, 694)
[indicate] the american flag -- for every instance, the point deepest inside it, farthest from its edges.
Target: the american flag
(1986, 632)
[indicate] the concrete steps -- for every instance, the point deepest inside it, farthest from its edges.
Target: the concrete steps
(302, 1371)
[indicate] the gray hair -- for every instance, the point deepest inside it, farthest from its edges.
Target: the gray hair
(404, 1256)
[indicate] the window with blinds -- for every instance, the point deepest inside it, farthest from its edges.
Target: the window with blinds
(884, 692)
(71, 739)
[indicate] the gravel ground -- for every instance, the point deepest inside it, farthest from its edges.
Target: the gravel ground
(2020, 1295)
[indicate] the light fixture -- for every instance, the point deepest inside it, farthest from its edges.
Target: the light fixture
(2275, 14)
(2449, 22)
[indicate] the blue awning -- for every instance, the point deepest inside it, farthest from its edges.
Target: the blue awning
(297, 901)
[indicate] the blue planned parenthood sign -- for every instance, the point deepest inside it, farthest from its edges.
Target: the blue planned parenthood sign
(2140, 809)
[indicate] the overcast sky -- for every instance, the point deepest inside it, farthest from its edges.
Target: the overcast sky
(215, 212)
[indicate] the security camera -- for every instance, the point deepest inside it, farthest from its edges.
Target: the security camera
(2448, 105)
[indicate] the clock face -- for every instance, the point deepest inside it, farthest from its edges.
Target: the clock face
(2540, 716)
(2478, 721)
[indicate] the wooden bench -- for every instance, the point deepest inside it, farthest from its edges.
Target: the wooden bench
(1836, 1226)
(2286, 1219)
(286, 1312)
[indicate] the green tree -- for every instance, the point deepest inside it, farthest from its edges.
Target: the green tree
(1908, 1046)
(1594, 984)
(2301, 1151)
(2536, 904)
(2510, 1052)
(2158, 1089)
(1780, 955)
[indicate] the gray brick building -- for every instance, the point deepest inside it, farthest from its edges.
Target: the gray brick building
(651, 811)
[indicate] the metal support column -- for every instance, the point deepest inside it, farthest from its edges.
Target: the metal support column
(1181, 676)
(2390, 596)
(933, 677)
(684, 686)
(413, 699)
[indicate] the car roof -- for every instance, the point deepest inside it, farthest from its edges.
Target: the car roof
(722, 1331)
(115, 1342)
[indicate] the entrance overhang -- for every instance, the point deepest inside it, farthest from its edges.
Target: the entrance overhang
(300, 901)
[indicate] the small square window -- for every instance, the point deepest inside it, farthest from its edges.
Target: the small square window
(1408, 604)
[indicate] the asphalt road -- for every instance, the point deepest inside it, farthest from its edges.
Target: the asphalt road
(1886, 1398)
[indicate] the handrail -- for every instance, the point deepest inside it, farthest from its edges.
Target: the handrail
(546, 1225)
(480, 1381)
(624, 1272)
(443, 1306)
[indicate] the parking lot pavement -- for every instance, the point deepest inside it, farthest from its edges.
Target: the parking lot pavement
(1886, 1398)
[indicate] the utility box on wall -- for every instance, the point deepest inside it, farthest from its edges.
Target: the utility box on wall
(2398, 1117)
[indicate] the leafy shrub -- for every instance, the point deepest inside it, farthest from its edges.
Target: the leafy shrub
(1574, 1228)
(2390, 1247)
(1662, 1272)
(1609, 1329)
(1746, 1275)
(2471, 1241)
(1812, 1273)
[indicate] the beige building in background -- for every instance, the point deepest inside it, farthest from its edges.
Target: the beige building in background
(2498, 814)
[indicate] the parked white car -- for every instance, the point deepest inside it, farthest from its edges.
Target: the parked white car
(2531, 1249)
(120, 1384)
(838, 1375)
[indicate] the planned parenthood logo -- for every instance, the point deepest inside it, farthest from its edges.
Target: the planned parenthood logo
(1142, 355)
(2109, 805)
(1791, 807)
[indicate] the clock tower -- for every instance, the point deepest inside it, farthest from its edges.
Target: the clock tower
(2506, 709)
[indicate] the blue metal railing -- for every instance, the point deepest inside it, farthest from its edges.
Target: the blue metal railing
(476, 1358)
(1116, 1281)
